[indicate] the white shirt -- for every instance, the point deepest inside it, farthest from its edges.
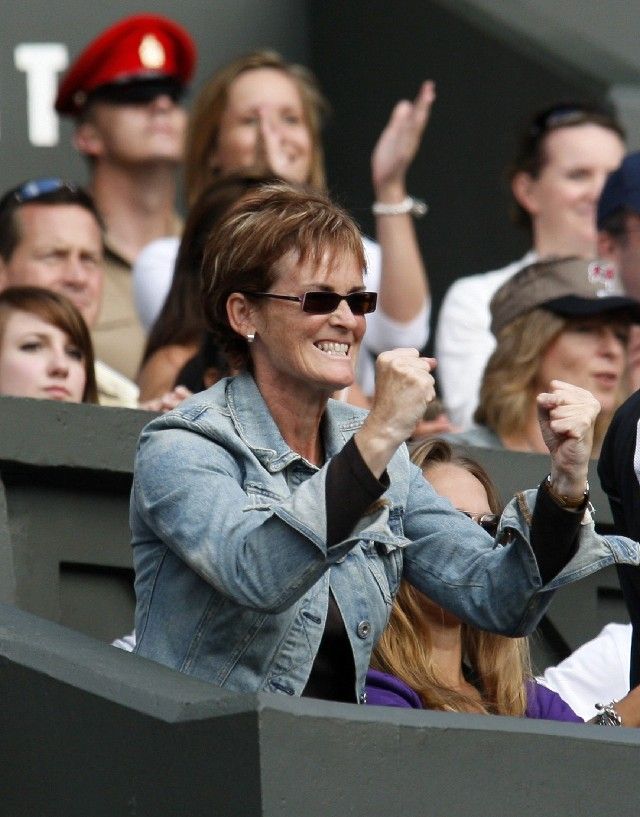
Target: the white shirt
(597, 672)
(114, 389)
(152, 276)
(153, 271)
(464, 342)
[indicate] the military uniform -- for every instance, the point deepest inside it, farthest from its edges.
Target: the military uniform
(132, 62)
(118, 336)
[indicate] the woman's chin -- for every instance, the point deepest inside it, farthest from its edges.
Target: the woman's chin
(608, 403)
(343, 383)
(340, 377)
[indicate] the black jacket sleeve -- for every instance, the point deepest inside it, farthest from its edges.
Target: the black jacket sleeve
(350, 488)
(616, 469)
(554, 534)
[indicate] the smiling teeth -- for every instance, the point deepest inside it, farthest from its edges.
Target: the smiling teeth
(333, 348)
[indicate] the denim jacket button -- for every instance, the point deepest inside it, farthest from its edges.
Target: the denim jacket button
(363, 629)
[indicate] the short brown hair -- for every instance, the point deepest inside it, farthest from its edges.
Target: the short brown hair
(208, 109)
(181, 320)
(241, 255)
(531, 156)
(58, 311)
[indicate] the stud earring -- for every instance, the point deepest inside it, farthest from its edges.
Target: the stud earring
(251, 337)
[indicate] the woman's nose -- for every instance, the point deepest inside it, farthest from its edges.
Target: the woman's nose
(343, 314)
(58, 363)
(611, 343)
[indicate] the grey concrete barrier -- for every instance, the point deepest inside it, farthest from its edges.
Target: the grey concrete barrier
(65, 478)
(88, 730)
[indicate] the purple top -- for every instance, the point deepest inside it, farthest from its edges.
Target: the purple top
(542, 703)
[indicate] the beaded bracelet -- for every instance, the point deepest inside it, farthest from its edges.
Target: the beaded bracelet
(416, 207)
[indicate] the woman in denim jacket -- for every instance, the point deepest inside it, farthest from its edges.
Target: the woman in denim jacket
(271, 524)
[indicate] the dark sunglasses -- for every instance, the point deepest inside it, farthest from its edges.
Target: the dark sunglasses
(34, 189)
(487, 521)
(322, 303)
(560, 116)
(139, 92)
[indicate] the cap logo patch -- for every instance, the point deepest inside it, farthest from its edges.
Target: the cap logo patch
(151, 52)
(603, 274)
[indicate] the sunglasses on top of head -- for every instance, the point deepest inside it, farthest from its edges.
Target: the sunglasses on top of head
(323, 303)
(36, 188)
(563, 115)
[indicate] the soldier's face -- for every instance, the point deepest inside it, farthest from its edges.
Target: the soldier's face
(135, 133)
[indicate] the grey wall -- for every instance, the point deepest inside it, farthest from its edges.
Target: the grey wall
(87, 730)
(590, 35)
(65, 477)
(596, 38)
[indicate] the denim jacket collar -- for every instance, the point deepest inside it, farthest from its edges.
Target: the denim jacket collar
(256, 427)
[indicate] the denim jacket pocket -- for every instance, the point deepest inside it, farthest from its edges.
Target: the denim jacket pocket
(384, 562)
(395, 521)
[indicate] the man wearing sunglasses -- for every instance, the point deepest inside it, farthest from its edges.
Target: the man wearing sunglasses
(51, 237)
(125, 91)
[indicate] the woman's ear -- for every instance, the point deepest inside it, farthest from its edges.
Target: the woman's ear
(240, 314)
(524, 188)
(87, 140)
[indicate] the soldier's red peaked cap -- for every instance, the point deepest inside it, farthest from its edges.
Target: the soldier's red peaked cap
(144, 46)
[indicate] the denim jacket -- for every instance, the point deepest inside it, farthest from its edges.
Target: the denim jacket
(232, 568)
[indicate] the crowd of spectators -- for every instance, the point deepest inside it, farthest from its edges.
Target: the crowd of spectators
(107, 296)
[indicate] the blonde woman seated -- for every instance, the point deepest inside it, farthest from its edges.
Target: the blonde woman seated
(45, 347)
(560, 319)
(428, 658)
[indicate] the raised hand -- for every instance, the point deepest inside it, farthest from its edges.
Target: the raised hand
(567, 416)
(278, 147)
(167, 401)
(399, 142)
(404, 388)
